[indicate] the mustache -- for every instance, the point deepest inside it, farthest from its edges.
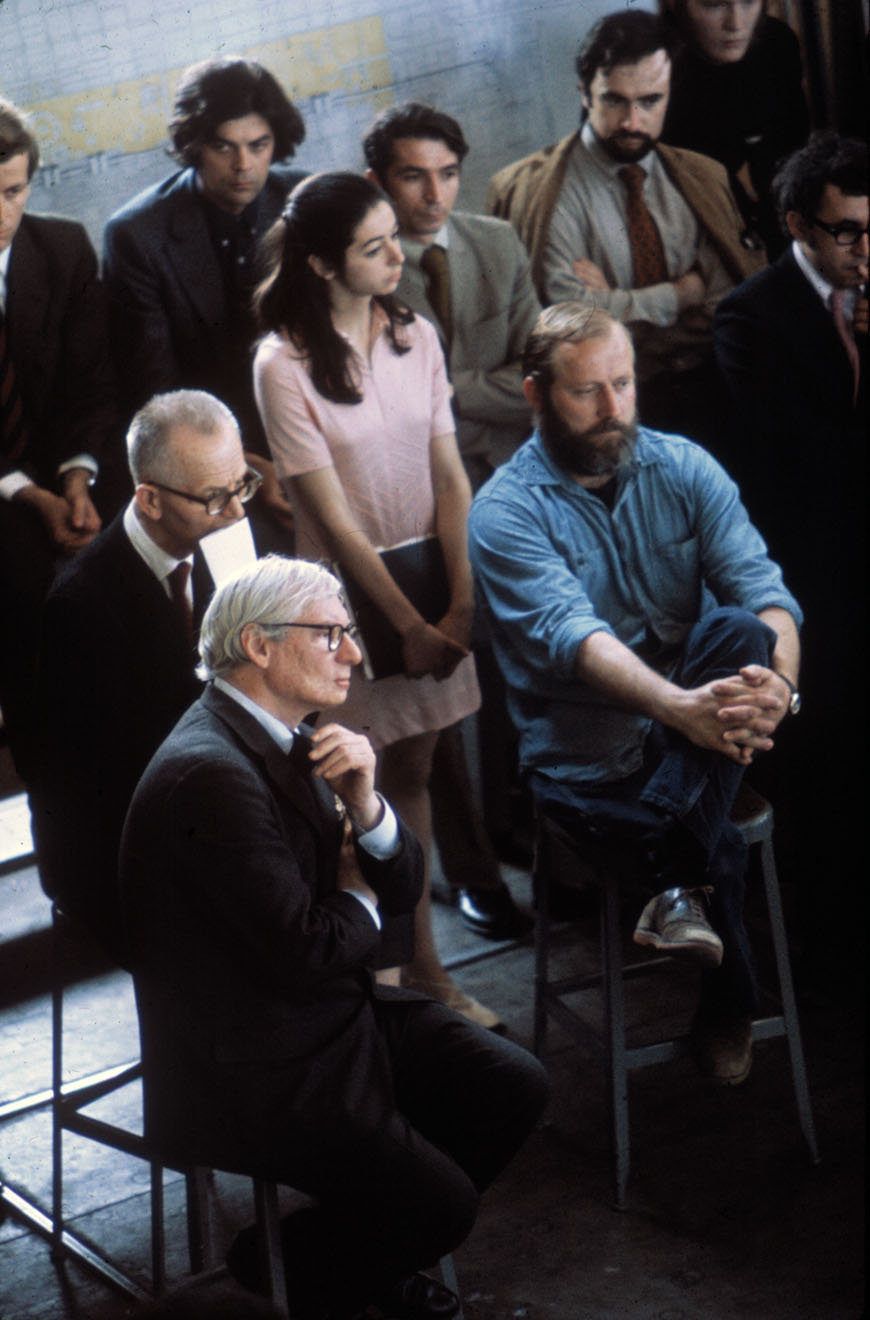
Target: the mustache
(625, 429)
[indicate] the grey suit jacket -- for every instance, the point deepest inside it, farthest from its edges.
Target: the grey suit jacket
(493, 308)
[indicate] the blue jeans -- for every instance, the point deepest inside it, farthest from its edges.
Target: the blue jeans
(676, 807)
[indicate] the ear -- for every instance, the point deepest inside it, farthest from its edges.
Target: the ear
(319, 266)
(256, 645)
(373, 178)
(148, 502)
(532, 392)
(798, 227)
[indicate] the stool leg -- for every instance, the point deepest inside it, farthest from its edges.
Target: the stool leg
(614, 1010)
(786, 991)
(198, 1225)
(158, 1233)
(57, 1093)
(269, 1233)
(543, 867)
(449, 1279)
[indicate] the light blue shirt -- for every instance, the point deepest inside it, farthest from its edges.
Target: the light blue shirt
(553, 564)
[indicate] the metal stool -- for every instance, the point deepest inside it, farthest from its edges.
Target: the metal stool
(754, 818)
(69, 1100)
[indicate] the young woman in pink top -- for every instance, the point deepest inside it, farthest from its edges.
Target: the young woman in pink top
(354, 397)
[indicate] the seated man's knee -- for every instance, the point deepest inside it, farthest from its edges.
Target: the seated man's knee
(728, 636)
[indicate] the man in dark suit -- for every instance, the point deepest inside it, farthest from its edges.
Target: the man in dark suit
(257, 866)
(792, 345)
(118, 652)
(57, 410)
(179, 259)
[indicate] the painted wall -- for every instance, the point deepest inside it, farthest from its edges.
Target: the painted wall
(99, 77)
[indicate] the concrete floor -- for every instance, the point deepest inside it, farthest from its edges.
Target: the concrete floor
(726, 1216)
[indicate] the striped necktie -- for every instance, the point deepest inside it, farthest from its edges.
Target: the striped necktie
(13, 427)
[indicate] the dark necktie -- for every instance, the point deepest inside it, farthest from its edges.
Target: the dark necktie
(13, 428)
(434, 266)
(177, 580)
(325, 800)
(847, 335)
(643, 234)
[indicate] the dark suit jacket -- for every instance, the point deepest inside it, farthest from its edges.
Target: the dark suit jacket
(58, 334)
(171, 322)
(115, 673)
(251, 967)
(797, 439)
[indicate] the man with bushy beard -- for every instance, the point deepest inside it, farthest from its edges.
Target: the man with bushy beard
(649, 646)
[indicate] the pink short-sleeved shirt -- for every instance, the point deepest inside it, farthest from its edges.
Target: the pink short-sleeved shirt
(380, 449)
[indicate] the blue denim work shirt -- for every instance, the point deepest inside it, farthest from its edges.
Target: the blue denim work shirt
(553, 564)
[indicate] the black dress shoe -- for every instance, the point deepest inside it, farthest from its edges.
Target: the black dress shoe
(493, 914)
(419, 1298)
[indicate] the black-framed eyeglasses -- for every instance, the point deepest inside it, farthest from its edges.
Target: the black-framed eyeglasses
(844, 235)
(215, 504)
(334, 632)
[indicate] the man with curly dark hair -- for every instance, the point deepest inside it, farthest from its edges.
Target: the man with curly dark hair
(179, 258)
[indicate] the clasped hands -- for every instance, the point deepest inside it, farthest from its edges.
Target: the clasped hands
(738, 715)
(436, 648)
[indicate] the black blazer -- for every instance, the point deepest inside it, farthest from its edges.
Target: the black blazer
(797, 439)
(58, 335)
(115, 673)
(251, 967)
(171, 321)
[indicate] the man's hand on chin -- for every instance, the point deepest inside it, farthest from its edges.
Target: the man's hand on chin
(346, 761)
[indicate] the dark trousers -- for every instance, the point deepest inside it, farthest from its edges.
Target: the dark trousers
(396, 1194)
(677, 806)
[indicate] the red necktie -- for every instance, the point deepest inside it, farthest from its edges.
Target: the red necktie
(178, 580)
(643, 234)
(847, 334)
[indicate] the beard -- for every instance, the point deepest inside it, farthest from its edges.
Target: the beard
(585, 453)
(627, 148)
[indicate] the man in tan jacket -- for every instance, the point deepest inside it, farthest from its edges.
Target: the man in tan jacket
(650, 233)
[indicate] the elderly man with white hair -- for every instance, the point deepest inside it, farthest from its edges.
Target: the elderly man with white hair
(261, 877)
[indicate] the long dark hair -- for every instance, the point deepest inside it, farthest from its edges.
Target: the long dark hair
(320, 219)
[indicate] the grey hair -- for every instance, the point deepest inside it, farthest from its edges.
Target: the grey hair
(272, 590)
(148, 451)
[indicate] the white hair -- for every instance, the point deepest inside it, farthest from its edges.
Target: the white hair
(271, 591)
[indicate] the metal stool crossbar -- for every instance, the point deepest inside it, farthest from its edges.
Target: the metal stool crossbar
(754, 818)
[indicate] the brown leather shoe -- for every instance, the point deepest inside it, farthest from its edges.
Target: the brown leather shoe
(723, 1050)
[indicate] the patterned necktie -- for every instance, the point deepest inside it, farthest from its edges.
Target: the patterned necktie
(643, 234)
(178, 580)
(13, 428)
(847, 335)
(434, 266)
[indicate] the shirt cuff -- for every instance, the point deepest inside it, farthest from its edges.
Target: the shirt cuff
(79, 461)
(382, 842)
(367, 904)
(12, 483)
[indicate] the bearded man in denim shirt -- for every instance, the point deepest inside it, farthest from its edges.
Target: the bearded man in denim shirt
(649, 645)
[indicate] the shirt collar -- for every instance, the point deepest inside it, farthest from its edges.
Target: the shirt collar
(4, 273)
(159, 561)
(822, 287)
(413, 248)
(276, 730)
(605, 160)
(541, 469)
